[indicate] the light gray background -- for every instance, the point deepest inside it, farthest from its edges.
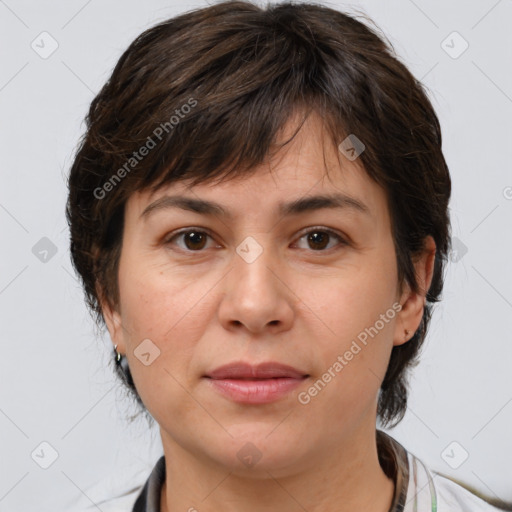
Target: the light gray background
(56, 385)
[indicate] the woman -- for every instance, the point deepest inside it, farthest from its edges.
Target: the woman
(259, 215)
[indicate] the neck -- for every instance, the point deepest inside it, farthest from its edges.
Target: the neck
(346, 478)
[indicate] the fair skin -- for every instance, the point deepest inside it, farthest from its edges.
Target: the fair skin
(300, 302)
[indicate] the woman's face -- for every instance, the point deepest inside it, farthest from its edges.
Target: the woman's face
(311, 288)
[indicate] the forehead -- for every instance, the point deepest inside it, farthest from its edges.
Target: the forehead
(309, 165)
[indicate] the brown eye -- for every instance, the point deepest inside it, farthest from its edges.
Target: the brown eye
(192, 240)
(319, 239)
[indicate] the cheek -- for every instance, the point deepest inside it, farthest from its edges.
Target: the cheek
(161, 309)
(357, 308)
(172, 312)
(353, 301)
(158, 304)
(353, 360)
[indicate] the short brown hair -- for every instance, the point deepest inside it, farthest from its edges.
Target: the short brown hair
(242, 70)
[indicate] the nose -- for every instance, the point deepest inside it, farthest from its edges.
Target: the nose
(256, 296)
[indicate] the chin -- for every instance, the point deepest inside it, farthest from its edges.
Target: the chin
(257, 451)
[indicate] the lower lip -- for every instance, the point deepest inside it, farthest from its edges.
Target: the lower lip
(255, 391)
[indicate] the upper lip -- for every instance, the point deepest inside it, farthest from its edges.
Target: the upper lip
(267, 370)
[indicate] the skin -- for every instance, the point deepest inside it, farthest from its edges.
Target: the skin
(298, 303)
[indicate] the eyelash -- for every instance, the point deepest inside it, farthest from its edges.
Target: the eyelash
(342, 241)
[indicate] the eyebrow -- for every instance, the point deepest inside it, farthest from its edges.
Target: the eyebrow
(301, 205)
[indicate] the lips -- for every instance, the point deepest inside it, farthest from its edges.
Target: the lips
(246, 384)
(245, 371)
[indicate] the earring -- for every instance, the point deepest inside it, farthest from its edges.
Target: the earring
(117, 355)
(122, 362)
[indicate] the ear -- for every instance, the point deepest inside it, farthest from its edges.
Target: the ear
(112, 319)
(413, 303)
